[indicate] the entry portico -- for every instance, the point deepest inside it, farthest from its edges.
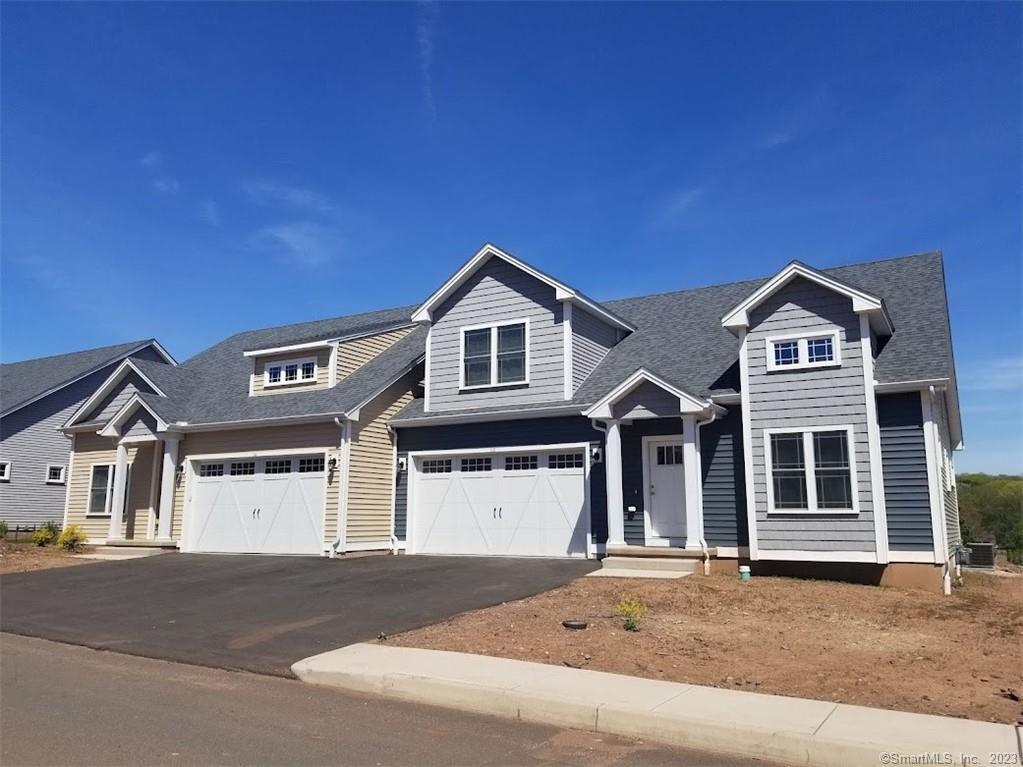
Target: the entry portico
(652, 462)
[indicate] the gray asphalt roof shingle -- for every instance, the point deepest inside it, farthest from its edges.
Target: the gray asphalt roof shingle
(21, 382)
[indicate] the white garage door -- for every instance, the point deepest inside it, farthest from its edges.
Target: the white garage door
(515, 504)
(258, 505)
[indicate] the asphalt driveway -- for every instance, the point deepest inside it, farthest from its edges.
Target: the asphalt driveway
(260, 614)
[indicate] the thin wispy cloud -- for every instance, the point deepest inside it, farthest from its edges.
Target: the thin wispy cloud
(428, 15)
(996, 376)
(305, 243)
(776, 139)
(679, 205)
(209, 212)
(166, 185)
(299, 198)
(151, 160)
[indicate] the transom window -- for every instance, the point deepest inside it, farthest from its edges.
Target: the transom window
(278, 466)
(811, 471)
(521, 462)
(477, 464)
(436, 466)
(669, 455)
(211, 469)
(565, 461)
(289, 372)
(243, 469)
(55, 474)
(803, 352)
(307, 465)
(101, 487)
(5, 471)
(495, 355)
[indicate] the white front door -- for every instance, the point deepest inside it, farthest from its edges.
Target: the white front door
(523, 504)
(257, 505)
(665, 492)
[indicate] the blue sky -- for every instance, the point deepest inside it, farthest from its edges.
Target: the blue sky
(189, 170)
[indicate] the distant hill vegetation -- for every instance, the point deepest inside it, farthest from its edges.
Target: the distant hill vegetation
(991, 509)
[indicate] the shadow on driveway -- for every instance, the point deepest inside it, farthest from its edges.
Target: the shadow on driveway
(260, 614)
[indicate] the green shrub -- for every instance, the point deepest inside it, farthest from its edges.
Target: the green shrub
(3, 528)
(72, 538)
(52, 528)
(43, 537)
(631, 610)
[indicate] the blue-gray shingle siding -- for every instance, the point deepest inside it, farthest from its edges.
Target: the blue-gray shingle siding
(724, 481)
(532, 431)
(904, 467)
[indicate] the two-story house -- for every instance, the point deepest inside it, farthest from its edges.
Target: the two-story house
(803, 421)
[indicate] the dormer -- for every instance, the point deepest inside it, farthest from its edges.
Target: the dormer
(503, 333)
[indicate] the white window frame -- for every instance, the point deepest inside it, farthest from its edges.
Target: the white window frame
(63, 474)
(810, 472)
(5, 471)
(112, 469)
(493, 327)
(804, 356)
(267, 383)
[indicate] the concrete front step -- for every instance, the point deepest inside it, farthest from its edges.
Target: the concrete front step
(123, 552)
(622, 572)
(659, 552)
(652, 563)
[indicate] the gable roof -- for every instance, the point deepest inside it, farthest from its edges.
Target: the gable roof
(562, 291)
(22, 383)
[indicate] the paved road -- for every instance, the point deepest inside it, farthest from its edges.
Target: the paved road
(260, 613)
(69, 705)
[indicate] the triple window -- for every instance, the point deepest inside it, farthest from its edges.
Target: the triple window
(495, 355)
(810, 471)
(793, 353)
(289, 372)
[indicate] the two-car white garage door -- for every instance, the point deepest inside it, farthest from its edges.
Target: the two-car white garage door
(270, 505)
(529, 503)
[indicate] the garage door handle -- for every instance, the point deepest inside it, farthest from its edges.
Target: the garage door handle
(493, 512)
(499, 510)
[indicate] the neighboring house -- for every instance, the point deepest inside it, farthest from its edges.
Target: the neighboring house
(36, 398)
(801, 421)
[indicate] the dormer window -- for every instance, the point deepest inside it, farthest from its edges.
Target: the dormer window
(495, 355)
(800, 352)
(290, 372)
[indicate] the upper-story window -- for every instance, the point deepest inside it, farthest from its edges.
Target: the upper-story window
(290, 371)
(495, 355)
(797, 352)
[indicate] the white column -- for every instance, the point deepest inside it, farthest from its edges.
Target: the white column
(613, 475)
(170, 461)
(117, 502)
(693, 483)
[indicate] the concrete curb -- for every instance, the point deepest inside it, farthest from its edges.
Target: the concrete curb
(792, 730)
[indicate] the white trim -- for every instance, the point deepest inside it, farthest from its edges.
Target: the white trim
(738, 317)
(111, 470)
(113, 426)
(426, 371)
(874, 444)
(344, 477)
(747, 443)
(277, 350)
(501, 450)
(63, 474)
(70, 474)
(613, 483)
(803, 343)
(812, 509)
(5, 470)
(485, 417)
(152, 342)
(562, 291)
(648, 538)
(301, 451)
(602, 409)
(332, 362)
(255, 423)
(285, 362)
(154, 483)
(394, 482)
(121, 490)
(799, 555)
(566, 327)
(939, 534)
(108, 386)
(892, 387)
(726, 399)
(925, 557)
(494, 336)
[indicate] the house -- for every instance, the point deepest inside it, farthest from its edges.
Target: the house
(36, 398)
(805, 421)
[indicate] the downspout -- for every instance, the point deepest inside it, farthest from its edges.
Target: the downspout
(697, 425)
(946, 571)
(394, 483)
(336, 544)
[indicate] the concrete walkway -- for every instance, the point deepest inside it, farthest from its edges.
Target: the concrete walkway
(791, 730)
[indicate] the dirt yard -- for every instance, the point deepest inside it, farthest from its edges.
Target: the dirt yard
(957, 656)
(21, 557)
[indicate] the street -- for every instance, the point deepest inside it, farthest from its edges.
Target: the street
(69, 705)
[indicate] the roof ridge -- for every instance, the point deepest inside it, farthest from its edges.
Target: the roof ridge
(139, 342)
(411, 308)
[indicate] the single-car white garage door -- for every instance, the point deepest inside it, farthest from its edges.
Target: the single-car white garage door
(258, 505)
(511, 504)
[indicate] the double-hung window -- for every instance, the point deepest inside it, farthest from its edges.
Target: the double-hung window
(290, 372)
(800, 352)
(5, 471)
(101, 490)
(495, 355)
(810, 470)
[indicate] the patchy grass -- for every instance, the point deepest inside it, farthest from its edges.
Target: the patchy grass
(23, 557)
(908, 650)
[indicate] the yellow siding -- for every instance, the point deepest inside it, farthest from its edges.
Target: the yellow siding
(322, 372)
(317, 437)
(352, 355)
(371, 473)
(90, 450)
